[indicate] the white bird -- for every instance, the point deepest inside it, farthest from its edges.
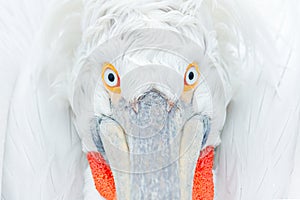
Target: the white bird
(148, 85)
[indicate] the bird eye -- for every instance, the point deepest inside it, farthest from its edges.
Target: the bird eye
(191, 76)
(111, 78)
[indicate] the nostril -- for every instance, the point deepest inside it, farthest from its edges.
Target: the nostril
(170, 105)
(135, 106)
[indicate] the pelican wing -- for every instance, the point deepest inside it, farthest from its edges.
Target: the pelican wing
(259, 154)
(42, 151)
(19, 22)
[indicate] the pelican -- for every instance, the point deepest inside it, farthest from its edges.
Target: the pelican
(150, 99)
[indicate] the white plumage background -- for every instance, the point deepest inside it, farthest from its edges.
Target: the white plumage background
(259, 154)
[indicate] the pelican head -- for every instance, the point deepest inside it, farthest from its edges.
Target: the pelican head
(147, 102)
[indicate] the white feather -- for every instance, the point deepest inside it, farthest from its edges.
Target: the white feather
(257, 157)
(19, 23)
(258, 65)
(42, 156)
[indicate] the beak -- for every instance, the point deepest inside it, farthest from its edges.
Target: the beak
(150, 147)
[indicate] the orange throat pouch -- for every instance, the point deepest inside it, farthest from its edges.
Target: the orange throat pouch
(203, 186)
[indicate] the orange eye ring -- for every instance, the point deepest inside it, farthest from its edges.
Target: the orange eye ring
(110, 78)
(191, 76)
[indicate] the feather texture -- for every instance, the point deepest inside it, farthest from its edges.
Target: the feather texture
(42, 156)
(257, 158)
(19, 24)
(254, 47)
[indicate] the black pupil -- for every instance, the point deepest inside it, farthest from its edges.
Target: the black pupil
(191, 75)
(111, 77)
